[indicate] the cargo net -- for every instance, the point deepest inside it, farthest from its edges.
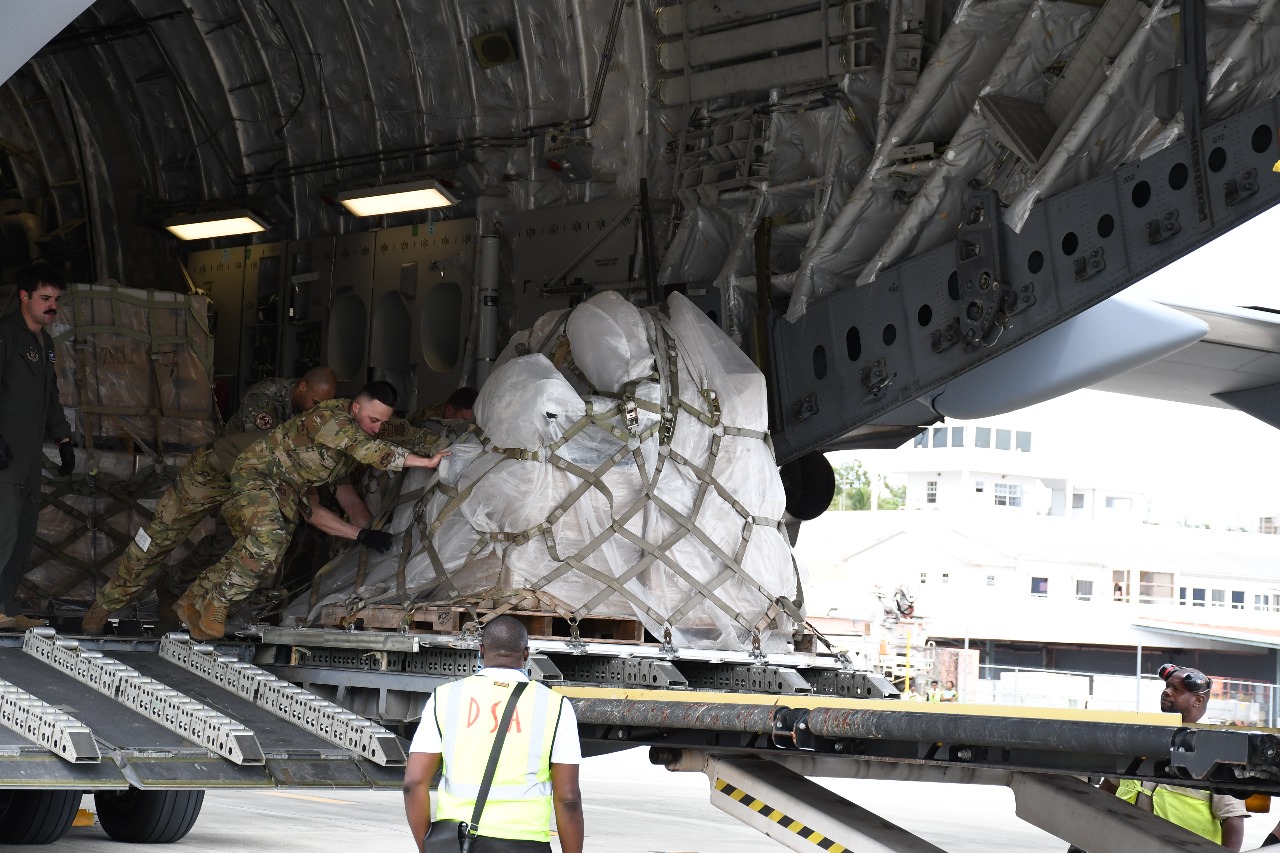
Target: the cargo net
(620, 467)
(85, 523)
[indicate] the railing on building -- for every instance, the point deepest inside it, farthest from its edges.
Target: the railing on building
(1232, 702)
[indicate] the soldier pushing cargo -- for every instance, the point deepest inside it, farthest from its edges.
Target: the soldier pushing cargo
(270, 482)
(201, 488)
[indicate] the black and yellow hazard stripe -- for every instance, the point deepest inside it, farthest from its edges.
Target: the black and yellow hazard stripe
(779, 817)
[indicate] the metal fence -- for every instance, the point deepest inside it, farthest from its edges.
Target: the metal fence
(1232, 701)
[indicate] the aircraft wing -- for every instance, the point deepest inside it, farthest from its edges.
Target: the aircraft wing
(1235, 365)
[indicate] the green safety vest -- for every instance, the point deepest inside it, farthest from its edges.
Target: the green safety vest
(467, 714)
(1189, 808)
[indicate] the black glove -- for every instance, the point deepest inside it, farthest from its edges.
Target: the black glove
(378, 540)
(67, 454)
(6, 455)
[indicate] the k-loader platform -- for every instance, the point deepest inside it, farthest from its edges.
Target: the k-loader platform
(148, 725)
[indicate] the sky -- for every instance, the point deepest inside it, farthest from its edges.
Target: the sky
(1196, 464)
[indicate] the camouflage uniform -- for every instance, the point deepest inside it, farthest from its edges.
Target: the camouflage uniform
(202, 486)
(269, 481)
(419, 440)
(268, 404)
(427, 413)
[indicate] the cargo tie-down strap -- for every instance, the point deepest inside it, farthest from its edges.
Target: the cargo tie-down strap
(621, 420)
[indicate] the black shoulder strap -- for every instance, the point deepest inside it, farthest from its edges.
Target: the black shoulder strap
(494, 755)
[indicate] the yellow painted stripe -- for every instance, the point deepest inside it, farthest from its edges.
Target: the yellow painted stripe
(310, 799)
(808, 701)
(779, 817)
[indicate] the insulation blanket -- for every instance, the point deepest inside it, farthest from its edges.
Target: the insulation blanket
(620, 466)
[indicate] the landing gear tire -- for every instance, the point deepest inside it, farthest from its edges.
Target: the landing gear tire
(148, 817)
(37, 817)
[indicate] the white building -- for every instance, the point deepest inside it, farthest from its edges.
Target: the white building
(1060, 593)
(991, 464)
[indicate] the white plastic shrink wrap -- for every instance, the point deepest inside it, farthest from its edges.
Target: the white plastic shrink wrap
(620, 467)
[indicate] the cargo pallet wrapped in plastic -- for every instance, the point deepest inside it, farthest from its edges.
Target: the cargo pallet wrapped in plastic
(620, 467)
(134, 375)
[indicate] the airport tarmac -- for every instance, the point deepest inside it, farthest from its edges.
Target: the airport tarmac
(631, 807)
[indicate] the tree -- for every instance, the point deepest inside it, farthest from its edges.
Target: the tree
(891, 497)
(853, 488)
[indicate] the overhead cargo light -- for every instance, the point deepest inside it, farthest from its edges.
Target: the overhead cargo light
(395, 198)
(209, 225)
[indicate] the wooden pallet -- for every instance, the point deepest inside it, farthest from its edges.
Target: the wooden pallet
(448, 619)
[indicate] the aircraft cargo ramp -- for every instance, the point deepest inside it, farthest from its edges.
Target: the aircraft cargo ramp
(169, 714)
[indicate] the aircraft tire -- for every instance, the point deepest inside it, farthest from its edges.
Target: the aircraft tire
(37, 816)
(148, 817)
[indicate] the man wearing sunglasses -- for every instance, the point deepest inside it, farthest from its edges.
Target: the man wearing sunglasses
(1214, 816)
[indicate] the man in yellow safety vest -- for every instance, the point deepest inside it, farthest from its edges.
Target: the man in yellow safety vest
(538, 768)
(1217, 817)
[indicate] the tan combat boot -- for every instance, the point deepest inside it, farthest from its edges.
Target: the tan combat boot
(184, 608)
(165, 602)
(19, 623)
(213, 618)
(95, 620)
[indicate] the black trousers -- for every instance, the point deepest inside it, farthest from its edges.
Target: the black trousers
(483, 844)
(19, 517)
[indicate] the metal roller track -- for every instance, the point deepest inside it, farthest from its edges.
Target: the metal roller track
(40, 722)
(288, 701)
(175, 711)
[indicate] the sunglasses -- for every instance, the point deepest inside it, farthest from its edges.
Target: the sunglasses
(1191, 680)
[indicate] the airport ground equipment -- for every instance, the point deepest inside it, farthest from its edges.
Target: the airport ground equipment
(155, 717)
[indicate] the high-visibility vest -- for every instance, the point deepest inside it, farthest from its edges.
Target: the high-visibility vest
(467, 714)
(1189, 808)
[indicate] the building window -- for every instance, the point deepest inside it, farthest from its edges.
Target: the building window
(957, 436)
(1218, 598)
(1023, 441)
(1262, 602)
(1125, 504)
(946, 577)
(939, 436)
(979, 485)
(1077, 500)
(1008, 494)
(991, 580)
(1084, 590)
(1157, 585)
(1182, 595)
(924, 577)
(982, 436)
(931, 492)
(1040, 587)
(922, 440)
(1197, 597)
(1004, 439)
(1237, 599)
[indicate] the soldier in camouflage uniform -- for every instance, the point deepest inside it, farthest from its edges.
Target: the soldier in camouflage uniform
(270, 482)
(459, 407)
(202, 486)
